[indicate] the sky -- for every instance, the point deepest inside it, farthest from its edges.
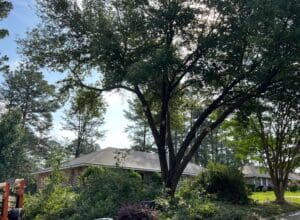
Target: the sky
(21, 19)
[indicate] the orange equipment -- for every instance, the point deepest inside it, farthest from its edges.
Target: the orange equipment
(19, 187)
(5, 199)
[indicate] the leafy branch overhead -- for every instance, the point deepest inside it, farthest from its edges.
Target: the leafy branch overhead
(226, 52)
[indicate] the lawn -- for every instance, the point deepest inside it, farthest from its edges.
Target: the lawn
(263, 197)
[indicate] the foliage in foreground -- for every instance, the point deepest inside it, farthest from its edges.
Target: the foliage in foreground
(192, 202)
(224, 182)
(103, 191)
(53, 202)
(100, 194)
(109, 193)
(200, 198)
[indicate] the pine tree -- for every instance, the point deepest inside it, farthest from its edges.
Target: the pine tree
(85, 118)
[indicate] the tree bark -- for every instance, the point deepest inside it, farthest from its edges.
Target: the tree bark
(279, 189)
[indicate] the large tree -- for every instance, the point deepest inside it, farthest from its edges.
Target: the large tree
(226, 52)
(85, 118)
(270, 136)
(26, 89)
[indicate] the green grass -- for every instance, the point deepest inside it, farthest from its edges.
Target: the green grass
(227, 211)
(266, 197)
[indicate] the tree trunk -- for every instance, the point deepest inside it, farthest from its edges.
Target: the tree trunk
(279, 190)
(171, 187)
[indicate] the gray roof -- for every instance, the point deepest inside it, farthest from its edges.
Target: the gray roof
(127, 159)
(252, 171)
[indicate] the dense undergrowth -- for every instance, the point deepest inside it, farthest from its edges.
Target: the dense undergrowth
(218, 193)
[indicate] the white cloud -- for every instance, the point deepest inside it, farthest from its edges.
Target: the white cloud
(61, 134)
(115, 122)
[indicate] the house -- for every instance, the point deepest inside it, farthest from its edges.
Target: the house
(260, 178)
(142, 162)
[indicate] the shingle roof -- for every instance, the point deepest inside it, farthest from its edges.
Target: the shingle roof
(127, 159)
(252, 171)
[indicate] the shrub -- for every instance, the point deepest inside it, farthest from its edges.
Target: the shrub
(103, 191)
(137, 212)
(190, 202)
(56, 205)
(293, 188)
(265, 189)
(55, 201)
(270, 188)
(259, 189)
(178, 208)
(251, 187)
(224, 182)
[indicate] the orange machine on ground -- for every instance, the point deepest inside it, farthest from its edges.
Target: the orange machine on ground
(8, 212)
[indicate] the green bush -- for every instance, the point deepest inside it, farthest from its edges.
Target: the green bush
(251, 187)
(224, 182)
(177, 208)
(103, 191)
(265, 189)
(54, 202)
(57, 205)
(189, 202)
(226, 211)
(293, 188)
(201, 198)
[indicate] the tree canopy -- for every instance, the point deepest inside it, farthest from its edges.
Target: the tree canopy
(13, 157)
(26, 89)
(226, 52)
(270, 136)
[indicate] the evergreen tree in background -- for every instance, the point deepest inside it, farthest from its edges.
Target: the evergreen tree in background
(26, 90)
(85, 118)
(15, 161)
(138, 129)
